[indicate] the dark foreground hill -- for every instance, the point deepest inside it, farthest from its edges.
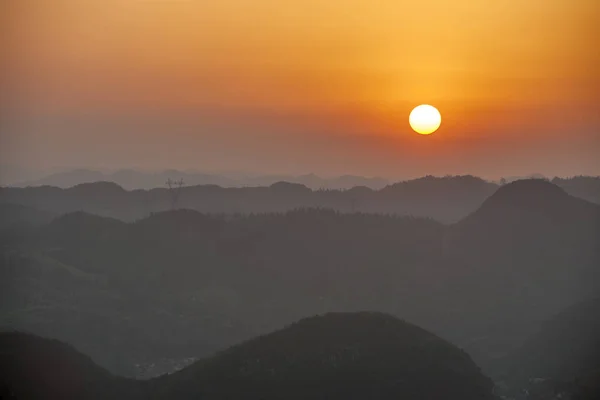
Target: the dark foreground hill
(34, 368)
(335, 356)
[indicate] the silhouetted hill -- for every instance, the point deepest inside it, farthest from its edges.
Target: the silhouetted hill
(98, 188)
(529, 195)
(289, 188)
(35, 368)
(519, 212)
(133, 179)
(528, 251)
(445, 199)
(531, 218)
(335, 356)
(128, 178)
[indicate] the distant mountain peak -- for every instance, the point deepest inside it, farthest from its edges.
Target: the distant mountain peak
(284, 185)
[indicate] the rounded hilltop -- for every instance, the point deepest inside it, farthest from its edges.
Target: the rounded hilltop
(527, 192)
(335, 356)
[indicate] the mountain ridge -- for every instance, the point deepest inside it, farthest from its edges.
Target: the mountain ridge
(133, 179)
(331, 356)
(446, 199)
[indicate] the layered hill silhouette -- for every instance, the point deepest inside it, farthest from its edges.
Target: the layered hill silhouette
(529, 220)
(134, 179)
(183, 283)
(530, 245)
(446, 199)
(335, 356)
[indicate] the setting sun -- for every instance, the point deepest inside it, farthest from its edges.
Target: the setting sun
(425, 119)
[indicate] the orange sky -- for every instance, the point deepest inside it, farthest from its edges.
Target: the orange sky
(300, 86)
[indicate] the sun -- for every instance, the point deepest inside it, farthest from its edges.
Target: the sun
(425, 119)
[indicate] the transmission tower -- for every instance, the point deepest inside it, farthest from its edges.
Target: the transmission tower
(174, 191)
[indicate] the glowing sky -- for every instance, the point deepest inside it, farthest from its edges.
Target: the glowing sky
(296, 86)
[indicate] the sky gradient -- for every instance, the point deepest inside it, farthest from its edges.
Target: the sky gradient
(302, 86)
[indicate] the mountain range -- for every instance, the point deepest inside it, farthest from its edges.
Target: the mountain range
(131, 179)
(181, 284)
(446, 199)
(337, 355)
(334, 356)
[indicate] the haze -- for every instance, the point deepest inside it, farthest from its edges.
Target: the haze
(224, 200)
(302, 86)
